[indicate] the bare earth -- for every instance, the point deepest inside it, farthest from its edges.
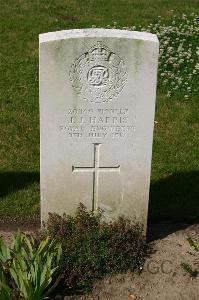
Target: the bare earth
(163, 277)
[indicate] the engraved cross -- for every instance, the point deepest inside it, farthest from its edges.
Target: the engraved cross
(96, 169)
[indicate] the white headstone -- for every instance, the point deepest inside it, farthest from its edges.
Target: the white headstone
(97, 103)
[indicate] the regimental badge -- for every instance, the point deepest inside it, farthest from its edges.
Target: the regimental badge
(98, 75)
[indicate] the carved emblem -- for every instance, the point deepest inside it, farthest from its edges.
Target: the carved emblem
(98, 75)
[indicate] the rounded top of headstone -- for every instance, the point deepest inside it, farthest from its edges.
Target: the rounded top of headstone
(97, 32)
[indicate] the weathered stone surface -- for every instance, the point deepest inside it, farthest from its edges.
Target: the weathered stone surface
(97, 103)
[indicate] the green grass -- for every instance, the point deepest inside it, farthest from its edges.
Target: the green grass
(174, 191)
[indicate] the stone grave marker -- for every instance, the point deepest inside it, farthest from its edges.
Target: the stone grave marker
(97, 104)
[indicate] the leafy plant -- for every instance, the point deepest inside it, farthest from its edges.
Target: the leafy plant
(188, 269)
(193, 244)
(31, 267)
(93, 248)
(4, 258)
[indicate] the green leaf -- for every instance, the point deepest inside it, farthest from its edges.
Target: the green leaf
(193, 244)
(4, 251)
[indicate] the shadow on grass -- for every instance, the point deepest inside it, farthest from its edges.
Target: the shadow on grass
(13, 181)
(174, 202)
(175, 198)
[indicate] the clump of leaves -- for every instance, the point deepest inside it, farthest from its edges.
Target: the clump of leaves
(193, 244)
(93, 248)
(187, 267)
(189, 270)
(5, 256)
(27, 269)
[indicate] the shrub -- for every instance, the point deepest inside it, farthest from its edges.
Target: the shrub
(93, 248)
(28, 268)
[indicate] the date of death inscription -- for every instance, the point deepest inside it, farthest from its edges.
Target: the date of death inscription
(97, 123)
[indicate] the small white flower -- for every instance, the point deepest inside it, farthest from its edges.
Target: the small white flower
(197, 66)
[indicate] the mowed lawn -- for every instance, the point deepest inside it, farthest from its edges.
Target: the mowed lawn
(174, 191)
